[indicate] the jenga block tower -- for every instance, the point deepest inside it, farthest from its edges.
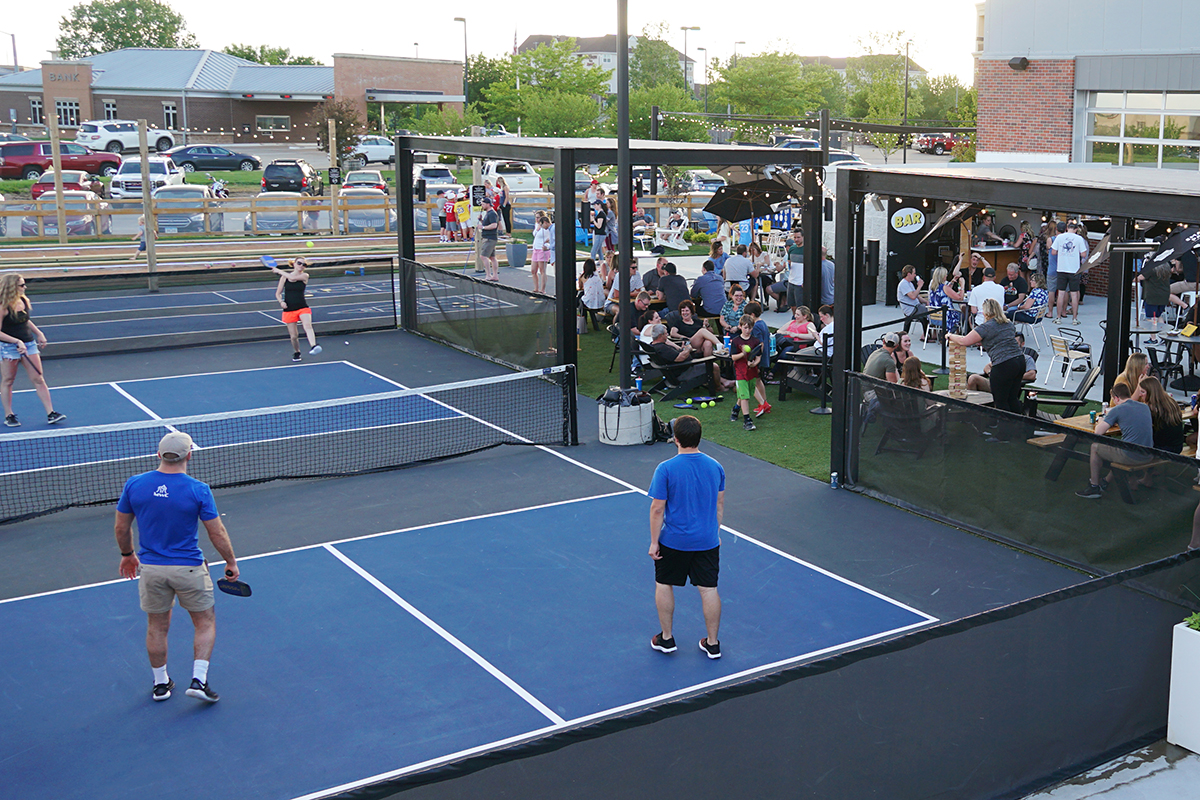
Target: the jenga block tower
(956, 356)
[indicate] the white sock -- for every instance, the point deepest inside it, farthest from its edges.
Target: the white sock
(160, 674)
(200, 670)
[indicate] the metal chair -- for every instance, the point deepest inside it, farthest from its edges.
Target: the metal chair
(1165, 367)
(1063, 352)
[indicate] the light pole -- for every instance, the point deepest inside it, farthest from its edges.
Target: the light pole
(905, 155)
(735, 44)
(16, 66)
(705, 51)
(463, 20)
(685, 29)
(416, 49)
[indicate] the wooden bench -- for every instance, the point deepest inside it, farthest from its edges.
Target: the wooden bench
(1050, 440)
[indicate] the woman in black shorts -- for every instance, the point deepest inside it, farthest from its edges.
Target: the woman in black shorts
(20, 341)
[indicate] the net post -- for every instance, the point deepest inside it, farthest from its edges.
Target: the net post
(395, 304)
(572, 391)
(564, 276)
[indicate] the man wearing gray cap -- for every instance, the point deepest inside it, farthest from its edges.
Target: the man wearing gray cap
(166, 503)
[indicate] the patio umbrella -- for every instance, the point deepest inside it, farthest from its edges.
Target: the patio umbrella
(952, 211)
(1181, 241)
(1099, 253)
(740, 201)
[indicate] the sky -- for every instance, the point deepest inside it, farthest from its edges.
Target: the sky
(942, 33)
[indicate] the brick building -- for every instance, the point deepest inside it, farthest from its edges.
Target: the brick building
(1080, 81)
(212, 96)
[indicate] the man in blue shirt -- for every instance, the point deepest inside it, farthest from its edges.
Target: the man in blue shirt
(166, 503)
(687, 497)
(709, 289)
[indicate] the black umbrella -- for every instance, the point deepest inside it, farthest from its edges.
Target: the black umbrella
(1181, 241)
(741, 201)
(953, 211)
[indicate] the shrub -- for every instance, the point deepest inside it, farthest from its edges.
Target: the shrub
(963, 152)
(688, 235)
(700, 237)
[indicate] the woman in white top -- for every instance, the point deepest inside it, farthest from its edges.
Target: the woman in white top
(542, 242)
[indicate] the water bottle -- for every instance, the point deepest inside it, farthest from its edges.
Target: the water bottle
(772, 339)
(1195, 401)
(638, 382)
(833, 481)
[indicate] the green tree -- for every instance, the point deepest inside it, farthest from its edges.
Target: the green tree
(671, 129)
(826, 86)
(550, 112)
(448, 121)
(102, 26)
(653, 61)
(266, 54)
(939, 97)
(482, 72)
(549, 68)
(349, 126)
(967, 111)
(878, 81)
(766, 85)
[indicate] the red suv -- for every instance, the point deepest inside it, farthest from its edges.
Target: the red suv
(28, 160)
(939, 143)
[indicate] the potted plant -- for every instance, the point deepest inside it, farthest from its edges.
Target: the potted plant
(1183, 715)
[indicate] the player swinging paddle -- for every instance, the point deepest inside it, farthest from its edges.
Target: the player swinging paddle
(290, 294)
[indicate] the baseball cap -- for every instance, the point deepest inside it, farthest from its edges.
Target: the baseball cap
(890, 339)
(174, 447)
(452, 195)
(487, 201)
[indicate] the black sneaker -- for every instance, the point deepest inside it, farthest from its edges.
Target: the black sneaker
(663, 645)
(296, 356)
(54, 417)
(11, 421)
(162, 691)
(1093, 492)
(748, 424)
(736, 413)
(711, 650)
(201, 691)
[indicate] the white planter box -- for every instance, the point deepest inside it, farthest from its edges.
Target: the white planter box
(1183, 716)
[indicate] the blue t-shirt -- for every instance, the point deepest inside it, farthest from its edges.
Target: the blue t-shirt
(763, 334)
(167, 506)
(689, 483)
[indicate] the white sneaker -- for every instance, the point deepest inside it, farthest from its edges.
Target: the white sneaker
(316, 349)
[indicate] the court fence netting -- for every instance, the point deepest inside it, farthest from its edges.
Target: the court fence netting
(110, 310)
(52, 470)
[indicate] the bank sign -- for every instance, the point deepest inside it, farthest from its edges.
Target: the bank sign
(908, 220)
(72, 77)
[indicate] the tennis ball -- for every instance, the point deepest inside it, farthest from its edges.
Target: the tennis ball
(689, 401)
(308, 244)
(705, 404)
(745, 348)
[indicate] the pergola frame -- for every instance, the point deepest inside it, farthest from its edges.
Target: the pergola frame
(1123, 194)
(566, 155)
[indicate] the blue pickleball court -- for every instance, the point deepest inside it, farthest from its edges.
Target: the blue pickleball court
(378, 656)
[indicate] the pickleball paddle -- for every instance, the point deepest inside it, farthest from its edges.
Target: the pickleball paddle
(268, 262)
(235, 588)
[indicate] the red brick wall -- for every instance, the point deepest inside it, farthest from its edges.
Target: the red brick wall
(1026, 112)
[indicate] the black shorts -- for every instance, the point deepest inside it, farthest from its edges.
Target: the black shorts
(677, 566)
(1068, 281)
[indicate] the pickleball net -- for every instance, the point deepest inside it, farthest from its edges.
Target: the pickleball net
(48, 471)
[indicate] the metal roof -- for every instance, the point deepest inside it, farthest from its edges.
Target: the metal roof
(150, 69)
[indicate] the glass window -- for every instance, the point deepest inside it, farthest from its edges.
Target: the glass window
(264, 123)
(1106, 100)
(1143, 126)
(1103, 153)
(1141, 155)
(1178, 126)
(68, 113)
(1104, 124)
(110, 109)
(35, 111)
(1144, 100)
(1183, 100)
(1181, 158)
(170, 116)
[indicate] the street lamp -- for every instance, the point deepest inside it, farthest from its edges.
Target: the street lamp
(735, 44)
(416, 50)
(16, 67)
(463, 20)
(685, 29)
(705, 51)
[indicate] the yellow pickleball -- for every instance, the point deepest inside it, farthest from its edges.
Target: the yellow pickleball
(745, 348)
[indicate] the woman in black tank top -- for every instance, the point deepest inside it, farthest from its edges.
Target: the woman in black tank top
(20, 341)
(290, 294)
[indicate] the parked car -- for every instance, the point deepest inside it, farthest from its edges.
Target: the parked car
(275, 212)
(83, 216)
(798, 143)
(181, 209)
(365, 211)
(13, 137)
(374, 148)
(28, 160)
(844, 157)
(938, 143)
(292, 175)
(519, 175)
(3, 220)
(365, 179)
(437, 177)
(642, 174)
(116, 135)
(73, 179)
(497, 130)
(128, 180)
(209, 157)
(702, 180)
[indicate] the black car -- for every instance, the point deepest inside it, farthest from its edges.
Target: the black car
(211, 157)
(292, 175)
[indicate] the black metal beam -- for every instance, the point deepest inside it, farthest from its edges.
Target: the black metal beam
(1120, 297)
(406, 237)
(846, 329)
(564, 276)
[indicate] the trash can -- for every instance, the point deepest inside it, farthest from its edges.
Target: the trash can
(516, 253)
(626, 417)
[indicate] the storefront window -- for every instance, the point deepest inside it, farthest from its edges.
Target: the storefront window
(1102, 124)
(1103, 153)
(68, 113)
(1141, 155)
(35, 111)
(1144, 100)
(273, 123)
(1178, 126)
(1138, 131)
(1183, 101)
(1106, 100)
(1181, 158)
(1143, 126)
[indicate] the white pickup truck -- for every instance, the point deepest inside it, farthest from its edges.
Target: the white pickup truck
(519, 175)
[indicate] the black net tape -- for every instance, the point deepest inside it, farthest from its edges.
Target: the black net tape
(53, 470)
(1015, 479)
(507, 325)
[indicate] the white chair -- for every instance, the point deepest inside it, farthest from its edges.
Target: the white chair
(936, 321)
(1182, 318)
(670, 237)
(1062, 352)
(1032, 328)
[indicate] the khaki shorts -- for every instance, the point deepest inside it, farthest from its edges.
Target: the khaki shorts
(1118, 455)
(487, 247)
(158, 587)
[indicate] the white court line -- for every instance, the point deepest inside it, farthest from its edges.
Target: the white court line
(145, 408)
(58, 325)
(457, 643)
(315, 365)
(274, 319)
(230, 299)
